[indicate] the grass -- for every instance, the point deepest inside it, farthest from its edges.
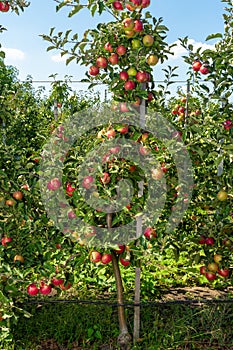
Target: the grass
(163, 327)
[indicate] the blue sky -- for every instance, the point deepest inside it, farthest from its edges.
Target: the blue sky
(27, 51)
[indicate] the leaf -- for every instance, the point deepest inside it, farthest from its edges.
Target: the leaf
(214, 36)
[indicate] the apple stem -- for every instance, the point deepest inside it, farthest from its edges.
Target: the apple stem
(124, 338)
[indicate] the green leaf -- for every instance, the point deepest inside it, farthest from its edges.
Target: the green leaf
(214, 36)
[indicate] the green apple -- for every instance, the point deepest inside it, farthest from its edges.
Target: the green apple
(132, 71)
(136, 43)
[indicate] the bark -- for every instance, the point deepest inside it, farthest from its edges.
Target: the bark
(124, 338)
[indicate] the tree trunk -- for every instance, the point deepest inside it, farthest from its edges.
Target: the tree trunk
(124, 338)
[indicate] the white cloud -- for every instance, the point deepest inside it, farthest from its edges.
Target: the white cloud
(180, 51)
(58, 58)
(13, 54)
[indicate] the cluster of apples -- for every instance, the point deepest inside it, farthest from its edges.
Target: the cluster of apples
(123, 251)
(215, 267)
(202, 67)
(180, 109)
(4, 6)
(46, 288)
(18, 195)
(131, 5)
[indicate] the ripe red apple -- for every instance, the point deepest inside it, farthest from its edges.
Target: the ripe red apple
(54, 184)
(150, 96)
(196, 65)
(95, 256)
(121, 249)
(105, 179)
(87, 182)
(145, 3)
(121, 50)
(65, 286)
(128, 24)
(132, 168)
(45, 289)
(69, 189)
(213, 267)
(209, 241)
(204, 69)
(6, 240)
(203, 270)
(118, 5)
(17, 195)
(129, 85)
(32, 289)
(224, 272)
(124, 262)
(111, 133)
(94, 70)
(150, 233)
(138, 25)
(210, 276)
(141, 77)
(123, 107)
(124, 75)
(10, 202)
(197, 112)
(123, 129)
(4, 7)
(108, 47)
(101, 62)
(130, 7)
(71, 214)
(25, 187)
(174, 111)
(113, 59)
(222, 195)
(144, 150)
(106, 258)
(217, 258)
(148, 40)
(228, 124)
(181, 110)
(202, 240)
(57, 281)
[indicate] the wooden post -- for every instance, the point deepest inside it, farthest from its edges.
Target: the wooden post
(136, 333)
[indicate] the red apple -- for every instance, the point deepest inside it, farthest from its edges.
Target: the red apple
(94, 70)
(157, 174)
(54, 184)
(203, 270)
(57, 281)
(32, 289)
(95, 256)
(152, 60)
(69, 190)
(101, 62)
(124, 262)
(4, 7)
(17, 195)
(106, 258)
(202, 240)
(128, 24)
(45, 289)
(113, 59)
(223, 272)
(210, 276)
(204, 69)
(10, 202)
(124, 75)
(6, 240)
(118, 5)
(25, 187)
(150, 96)
(196, 65)
(228, 124)
(123, 107)
(129, 85)
(111, 133)
(121, 249)
(141, 77)
(145, 3)
(71, 214)
(105, 179)
(138, 25)
(209, 241)
(121, 50)
(144, 150)
(123, 129)
(87, 182)
(108, 47)
(65, 286)
(150, 233)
